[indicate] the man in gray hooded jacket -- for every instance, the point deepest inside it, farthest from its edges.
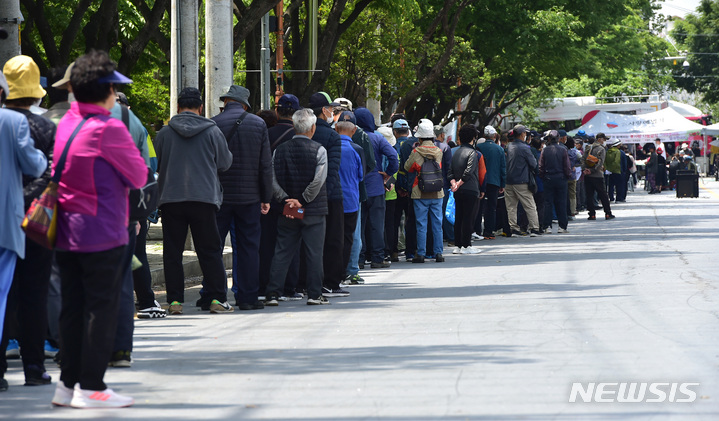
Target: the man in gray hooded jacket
(191, 150)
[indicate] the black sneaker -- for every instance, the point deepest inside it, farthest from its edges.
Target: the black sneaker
(120, 359)
(518, 233)
(535, 233)
(257, 305)
(317, 301)
(334, 292)
(272, 300)
(438, 258)
(3, 385)
(380, 265)
(36, 376)
(418, 259)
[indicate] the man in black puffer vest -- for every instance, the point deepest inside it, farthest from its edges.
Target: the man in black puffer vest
(334, 272)
(247, 190)
(300, 172)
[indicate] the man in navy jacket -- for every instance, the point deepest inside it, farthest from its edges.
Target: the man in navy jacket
(325, 135)
(247, 190)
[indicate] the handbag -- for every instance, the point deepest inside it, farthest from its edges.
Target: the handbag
(591, 160)
(40, 222)
(532, 184)
(143, 201)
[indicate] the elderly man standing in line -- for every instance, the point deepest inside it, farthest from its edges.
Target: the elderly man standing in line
(495, 180)
(191, 151)
(300, 171)
(246, 190)
(520, 164)
(593, 170)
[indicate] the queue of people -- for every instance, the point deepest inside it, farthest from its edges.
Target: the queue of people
(309, 196)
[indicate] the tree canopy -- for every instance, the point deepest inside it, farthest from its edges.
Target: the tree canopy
(415, 56)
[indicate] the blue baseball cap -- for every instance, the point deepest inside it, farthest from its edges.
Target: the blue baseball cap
(400, 124)
(562, 133)
(289, 101)
(115, 77)
(348, 116)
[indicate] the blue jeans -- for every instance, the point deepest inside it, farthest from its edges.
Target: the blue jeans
(428, 209)
(353, 265)
(8, 258)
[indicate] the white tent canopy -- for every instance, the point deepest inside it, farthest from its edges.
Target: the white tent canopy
(712, 130)
(666, 124)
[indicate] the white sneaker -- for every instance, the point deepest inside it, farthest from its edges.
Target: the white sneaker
(548, 230)
(457, 250)
(476, 236)
(463, 250)
(563, 231)
(99, 399)
(474, 250)
(63, 395)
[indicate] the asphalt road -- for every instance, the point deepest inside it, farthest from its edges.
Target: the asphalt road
(501, 335)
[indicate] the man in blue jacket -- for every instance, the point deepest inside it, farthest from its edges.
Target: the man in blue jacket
(374, 208)
(351, 174)
(326, 136)
(247, 190)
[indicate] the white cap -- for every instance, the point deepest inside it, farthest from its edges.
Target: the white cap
(489, 131)
(344, 102)
(387, 133)
(425, 129)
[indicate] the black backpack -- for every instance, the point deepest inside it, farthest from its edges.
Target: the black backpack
(430, 178)
(143, 201)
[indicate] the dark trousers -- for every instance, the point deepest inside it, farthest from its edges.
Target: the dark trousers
(290, 234)
(126, 305)
(54, 304)
(334, 271)
(502, 217)
(201, 219)
(350, 223)
(246, 219)
(141, 277)
(465, 214)
(91, 284)
(373, 228)
(555, 199)
(391, 231)
(404, 204)
(268, 241)
(618, 184)
(596, 185)
(26, 311)
(489, 210)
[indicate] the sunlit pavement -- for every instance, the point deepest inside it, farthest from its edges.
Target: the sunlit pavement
(501, 335)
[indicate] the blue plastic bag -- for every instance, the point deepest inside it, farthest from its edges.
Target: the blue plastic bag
(449, 212)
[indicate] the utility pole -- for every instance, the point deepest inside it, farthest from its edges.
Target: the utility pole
(265, 93)
(313, 36)
(280, 52)
(218, 53)
(184, 49)
(10, 19)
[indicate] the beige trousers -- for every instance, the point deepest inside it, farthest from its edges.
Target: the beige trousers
(515, 193)
(572, 189)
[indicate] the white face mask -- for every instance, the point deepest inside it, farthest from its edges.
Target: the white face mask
(331, 118)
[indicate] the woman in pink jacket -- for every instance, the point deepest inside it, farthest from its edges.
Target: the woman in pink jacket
(102, 164)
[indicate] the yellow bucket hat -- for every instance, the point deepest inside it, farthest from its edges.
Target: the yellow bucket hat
(23, 78)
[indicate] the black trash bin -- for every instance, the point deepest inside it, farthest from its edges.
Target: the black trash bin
(687, 184)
